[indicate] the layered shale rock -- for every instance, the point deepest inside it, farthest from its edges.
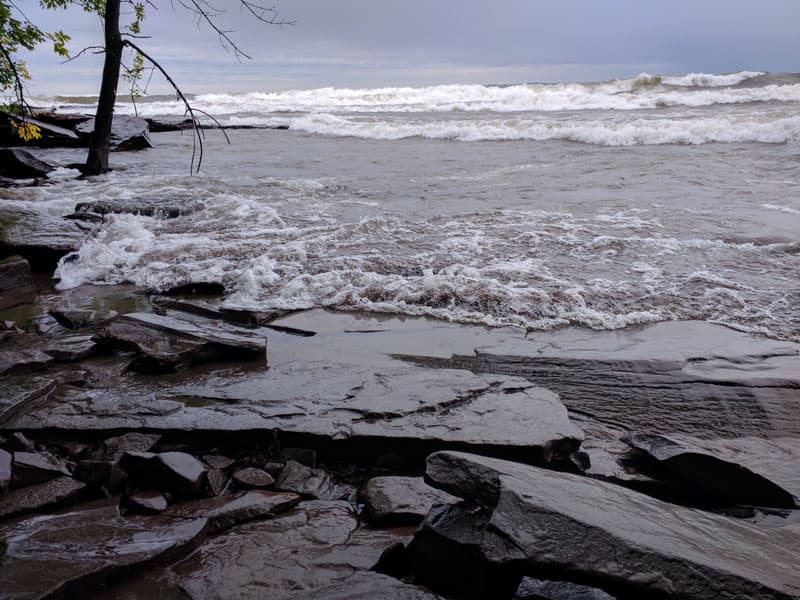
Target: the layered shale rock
(579, 529)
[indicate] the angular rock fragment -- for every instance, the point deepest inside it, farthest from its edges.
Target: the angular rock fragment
(75, 318)
(22, 392)
(317, 544)
(35, 467)
(71, 347)
(227, 511)
(250, 477)
(311, 483)
(15, 272)
(54, 492)
(23, 361)
(305, 456)
(127, 133)
(72, 555)
(100, 474)
(630, 545)
(217, 480)
(113, 448)
(735, 471)
(217, 461)
(145, 502)
(175, 472)
(535, 589)
(165, 344)
(401, 499)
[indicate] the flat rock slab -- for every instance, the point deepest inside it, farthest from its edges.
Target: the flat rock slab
(614, 538)
(402, 499)
(21, 164)
(165, 344)
(737, 471)
(72, 554)
(39, 237)
(42, 495)
(76, 318)
(52, 134)
(366, 585)
(225, 512)
(318, 544)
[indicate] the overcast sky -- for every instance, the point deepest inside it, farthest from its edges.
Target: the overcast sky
(370, 43)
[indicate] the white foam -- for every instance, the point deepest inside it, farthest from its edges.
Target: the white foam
(710, 80)
(607, 132)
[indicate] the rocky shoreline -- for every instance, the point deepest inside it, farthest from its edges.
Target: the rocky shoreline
(155, 443)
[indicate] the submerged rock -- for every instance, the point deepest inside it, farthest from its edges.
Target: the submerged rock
(736, 471)
(165, 208)
(127, 133)
(74, 554)
(630, 545)
(402, 499)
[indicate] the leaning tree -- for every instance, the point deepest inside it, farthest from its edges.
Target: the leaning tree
(118, 38)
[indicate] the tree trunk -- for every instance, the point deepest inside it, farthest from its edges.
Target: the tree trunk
(97, 160)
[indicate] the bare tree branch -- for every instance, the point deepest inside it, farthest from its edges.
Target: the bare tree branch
(197, 141)
(20, 88)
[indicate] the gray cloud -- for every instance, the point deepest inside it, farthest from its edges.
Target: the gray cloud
(368, 42)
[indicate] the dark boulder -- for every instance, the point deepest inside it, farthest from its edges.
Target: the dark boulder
(587, 531)
(18, 163)
(65, 120)
(726, 472)
(51, 135)
(127, 133)
(162, 124)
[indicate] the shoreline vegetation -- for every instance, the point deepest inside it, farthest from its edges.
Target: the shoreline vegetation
(155, 443)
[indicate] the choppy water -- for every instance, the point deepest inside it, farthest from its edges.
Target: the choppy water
(604, 204)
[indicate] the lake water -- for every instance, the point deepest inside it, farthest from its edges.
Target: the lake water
(604, 204)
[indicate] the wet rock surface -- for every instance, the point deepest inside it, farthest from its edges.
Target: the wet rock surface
(20, 164)
(316, 545)
(165, 344)
(40, 238)
(402, 499)
(71, 554)
(736, 471)
(15, 272)
(658, 549)
(55, 492)
(362, 402)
